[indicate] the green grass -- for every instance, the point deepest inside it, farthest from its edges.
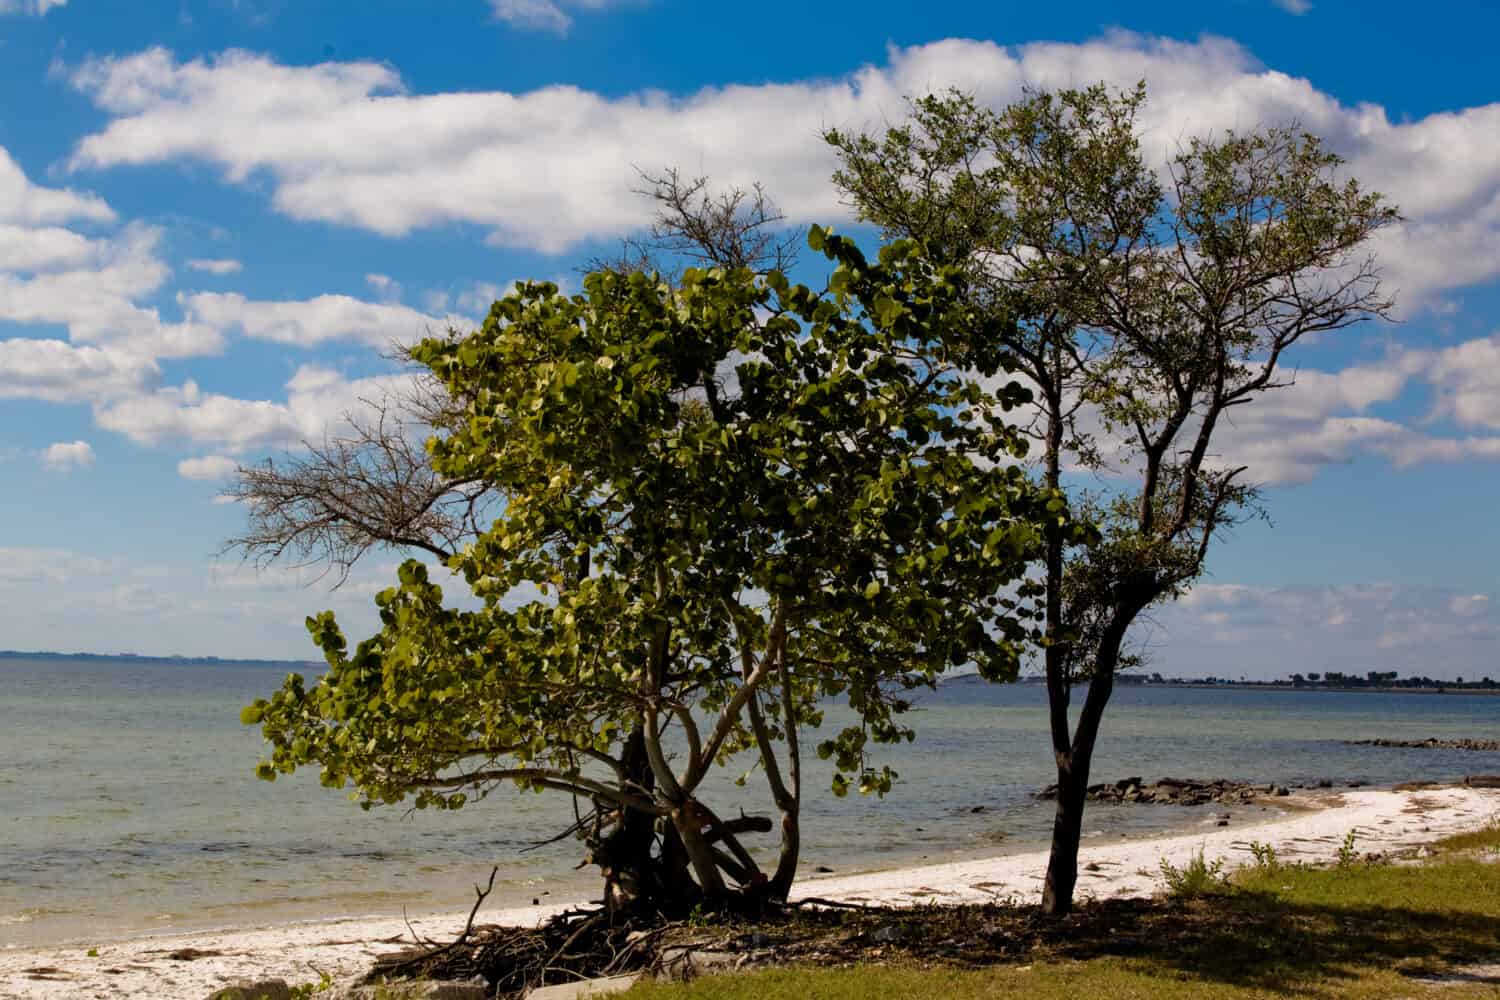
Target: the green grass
(1484, 840)
(1358, 932)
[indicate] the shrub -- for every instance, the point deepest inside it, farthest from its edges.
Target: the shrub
(1199, 877)
(1347, 854)
(1265, 857)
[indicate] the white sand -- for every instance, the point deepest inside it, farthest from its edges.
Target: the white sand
(298, 953)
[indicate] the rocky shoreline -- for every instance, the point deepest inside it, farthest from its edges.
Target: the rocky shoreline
(1430, 744)
(1222, 791)
(1177, 792)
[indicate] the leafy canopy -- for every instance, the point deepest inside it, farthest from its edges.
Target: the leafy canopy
(728, 498)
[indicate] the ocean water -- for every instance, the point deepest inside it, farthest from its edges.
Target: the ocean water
(128, 802)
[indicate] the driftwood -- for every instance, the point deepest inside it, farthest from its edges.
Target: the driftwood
(577, 944)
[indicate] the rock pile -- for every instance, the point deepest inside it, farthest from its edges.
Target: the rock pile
(1176, 792)
(1431, 744)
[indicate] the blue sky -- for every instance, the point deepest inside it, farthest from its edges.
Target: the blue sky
(213, 213)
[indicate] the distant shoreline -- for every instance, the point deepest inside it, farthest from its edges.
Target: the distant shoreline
(1311, 688)
(1123, 682)
(182, 661)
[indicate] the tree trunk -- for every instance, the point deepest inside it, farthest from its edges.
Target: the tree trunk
(631, 875)
(788, 800)
(689, 823)
(1067, 829)
(1073, 767)
(786, 865)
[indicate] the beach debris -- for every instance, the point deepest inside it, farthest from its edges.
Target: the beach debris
(469, 989)
(1483, 781)
(1430, 744)
(47, 973)
(264, 989)
(1175, 792)
(422, 989)
(687, 963)
(608, 986)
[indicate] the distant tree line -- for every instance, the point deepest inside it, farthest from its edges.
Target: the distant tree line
(1333, 679)
(1383, 679)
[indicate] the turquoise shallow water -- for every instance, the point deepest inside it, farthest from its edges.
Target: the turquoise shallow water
(128, 803)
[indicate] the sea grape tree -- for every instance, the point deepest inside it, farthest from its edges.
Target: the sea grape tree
(720, 501)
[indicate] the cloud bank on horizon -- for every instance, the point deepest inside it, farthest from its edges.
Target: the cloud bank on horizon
(103, 320)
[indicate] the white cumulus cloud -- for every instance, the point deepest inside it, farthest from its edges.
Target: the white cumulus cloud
(25, 203)
(309, 322)
(346, 143)
(1229, 629)
(66, 456)
(543, 15)
(59, 372)
(216, 266)
(45, 248)
(92, 287)
(98, 301)
(318, 399)
(207, 467)
(36, 7)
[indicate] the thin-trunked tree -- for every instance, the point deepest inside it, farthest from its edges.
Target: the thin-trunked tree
(683, 566)
(1144, 307)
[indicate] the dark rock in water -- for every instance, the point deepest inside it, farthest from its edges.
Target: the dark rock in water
(822, 870)
(1325, 783)
(1431, 744)
(1172, 792)
(1483, 781)
(1282, 790)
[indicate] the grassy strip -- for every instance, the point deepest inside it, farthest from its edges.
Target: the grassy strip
(1360, 931)
(1485, 840)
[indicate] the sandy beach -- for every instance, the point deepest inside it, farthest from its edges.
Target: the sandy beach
(190, 966)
